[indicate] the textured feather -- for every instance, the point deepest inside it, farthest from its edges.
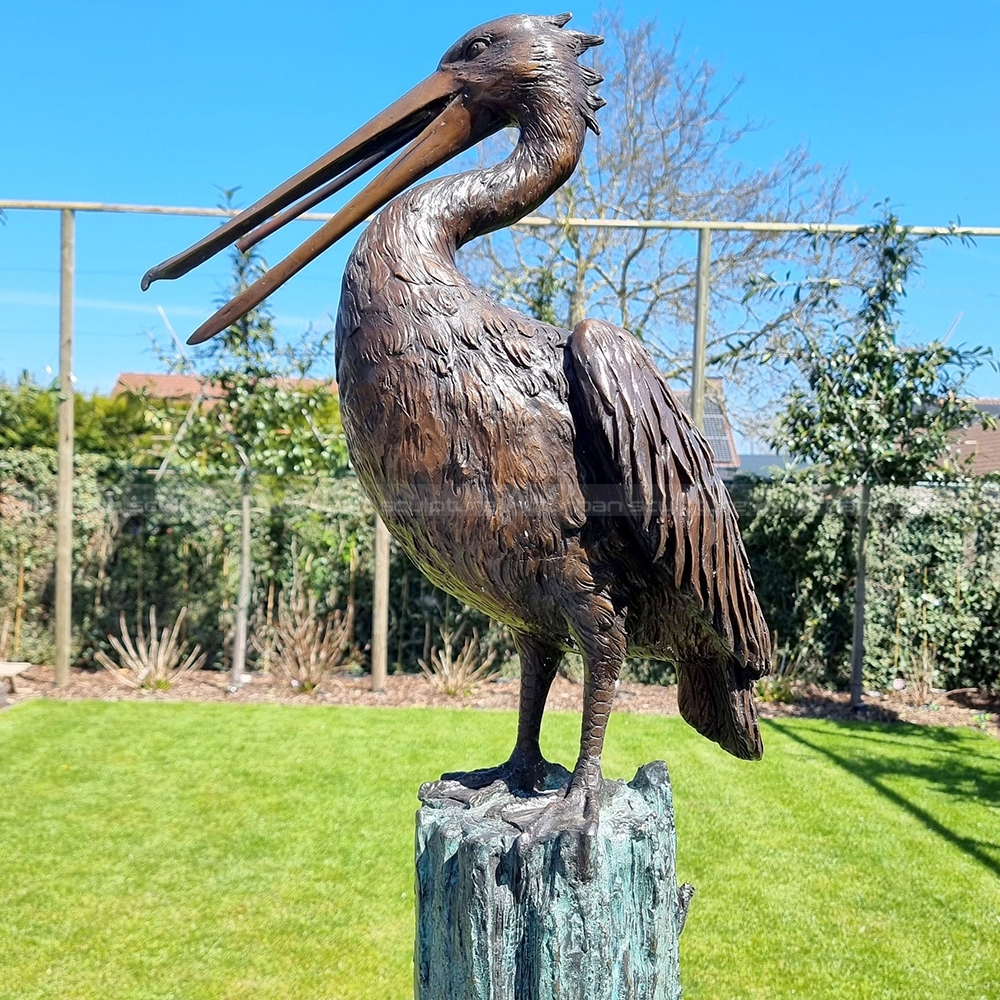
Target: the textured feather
(481, 435)
(678, 505)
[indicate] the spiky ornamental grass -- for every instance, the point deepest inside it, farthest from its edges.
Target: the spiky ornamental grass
(458, 673)
(152, 660)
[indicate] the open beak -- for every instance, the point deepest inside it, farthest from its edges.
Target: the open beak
(436, 121)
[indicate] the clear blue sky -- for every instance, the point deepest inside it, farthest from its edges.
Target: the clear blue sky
(156, 103)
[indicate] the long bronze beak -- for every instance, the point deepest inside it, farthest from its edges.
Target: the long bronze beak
(433, 115)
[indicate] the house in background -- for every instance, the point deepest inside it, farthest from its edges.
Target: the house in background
(977, 445)
(717, 429)
(980, 444)
(172, 388)
(184, 388)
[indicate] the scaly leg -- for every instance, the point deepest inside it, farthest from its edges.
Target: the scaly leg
(526, 770)
(600, 633)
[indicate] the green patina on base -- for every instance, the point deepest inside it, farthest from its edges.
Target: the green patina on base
(574, 916)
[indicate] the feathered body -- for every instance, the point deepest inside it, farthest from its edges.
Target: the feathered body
(549, 479)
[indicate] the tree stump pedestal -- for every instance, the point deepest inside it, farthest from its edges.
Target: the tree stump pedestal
(574, 916)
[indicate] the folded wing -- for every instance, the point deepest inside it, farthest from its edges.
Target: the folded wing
(642, 444)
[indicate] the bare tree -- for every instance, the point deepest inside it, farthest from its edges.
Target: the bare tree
(667, 150)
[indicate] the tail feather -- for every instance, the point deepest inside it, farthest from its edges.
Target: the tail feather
(717, 699)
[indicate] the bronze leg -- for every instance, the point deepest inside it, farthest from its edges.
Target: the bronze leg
(600, 633)
(539, 663)
(525, 770)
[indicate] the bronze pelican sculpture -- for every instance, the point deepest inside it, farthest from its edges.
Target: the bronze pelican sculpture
(548, 478)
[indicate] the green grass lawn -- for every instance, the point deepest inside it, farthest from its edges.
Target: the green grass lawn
(215, 851)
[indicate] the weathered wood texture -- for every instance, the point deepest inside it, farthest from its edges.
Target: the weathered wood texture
(570, 917)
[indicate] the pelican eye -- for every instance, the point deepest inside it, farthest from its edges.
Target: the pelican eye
(476, 47)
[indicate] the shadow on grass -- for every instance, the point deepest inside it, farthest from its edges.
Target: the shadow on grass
(959, 779)
(939, 740)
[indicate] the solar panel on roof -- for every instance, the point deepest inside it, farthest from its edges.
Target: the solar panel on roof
(716, 432)
(716, 426)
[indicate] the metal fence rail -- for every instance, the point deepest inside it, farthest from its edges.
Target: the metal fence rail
(14, 204)
(68, 210)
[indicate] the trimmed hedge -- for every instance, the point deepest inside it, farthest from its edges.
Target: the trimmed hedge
(933, 584)
(174, 543)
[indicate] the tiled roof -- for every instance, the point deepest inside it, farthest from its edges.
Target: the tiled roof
(162, 386)
(185, 387)
(984, 447)
(978, 443)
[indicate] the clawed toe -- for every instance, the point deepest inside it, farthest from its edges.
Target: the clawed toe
(576, 811)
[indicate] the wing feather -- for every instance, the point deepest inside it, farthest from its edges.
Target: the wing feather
(647, 446)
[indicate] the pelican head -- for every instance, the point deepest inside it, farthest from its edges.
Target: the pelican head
(520, 67)
(517, 70)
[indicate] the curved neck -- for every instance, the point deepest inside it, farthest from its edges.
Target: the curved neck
(481, 201)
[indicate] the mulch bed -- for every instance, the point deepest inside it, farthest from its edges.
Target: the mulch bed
(969, 707)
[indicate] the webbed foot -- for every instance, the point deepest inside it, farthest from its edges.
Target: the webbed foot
(524, 773)
(576, 809)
